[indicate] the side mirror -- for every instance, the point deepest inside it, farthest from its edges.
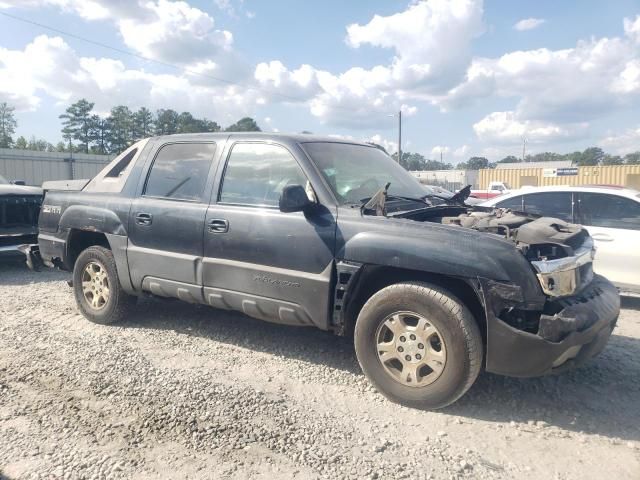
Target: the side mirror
(19, 182)
(294, 199)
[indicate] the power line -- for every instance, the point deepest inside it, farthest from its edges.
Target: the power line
(157, 62)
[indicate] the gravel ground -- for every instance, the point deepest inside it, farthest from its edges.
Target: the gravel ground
(183, 391)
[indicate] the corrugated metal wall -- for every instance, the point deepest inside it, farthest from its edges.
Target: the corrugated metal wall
(37, 167)
(625, 175)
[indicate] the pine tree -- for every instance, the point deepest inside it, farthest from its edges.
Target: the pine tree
(77, 123)
(8, 125)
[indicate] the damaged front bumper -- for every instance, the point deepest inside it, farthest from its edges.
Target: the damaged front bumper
(32, 256)
(566, 333)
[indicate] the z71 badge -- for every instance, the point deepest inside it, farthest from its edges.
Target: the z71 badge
(51, 209)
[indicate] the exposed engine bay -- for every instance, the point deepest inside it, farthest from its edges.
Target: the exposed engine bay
(560, 252)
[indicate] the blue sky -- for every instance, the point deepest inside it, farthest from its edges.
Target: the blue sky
(469, 78)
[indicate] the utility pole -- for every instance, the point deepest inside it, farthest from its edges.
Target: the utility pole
(399, 136)
(524, 147)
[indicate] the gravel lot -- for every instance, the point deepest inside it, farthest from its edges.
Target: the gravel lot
(183, 391)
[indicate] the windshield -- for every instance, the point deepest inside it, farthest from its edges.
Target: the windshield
(357, 172)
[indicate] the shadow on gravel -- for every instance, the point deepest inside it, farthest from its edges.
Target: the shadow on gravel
(14, 271)
(599, 398)
(302, 343)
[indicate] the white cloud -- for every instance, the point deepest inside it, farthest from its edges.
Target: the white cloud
(389, 145)
(622, 143)
(570, 85)
(48, 66)
(632, 28)
(164, 30)
(458, 153)
(528, 24)
(506, 127)
(363, 98)
(417, 35)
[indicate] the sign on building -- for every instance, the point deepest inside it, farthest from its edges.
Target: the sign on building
(559, 172)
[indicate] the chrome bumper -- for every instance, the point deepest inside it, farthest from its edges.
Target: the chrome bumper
(565, 276)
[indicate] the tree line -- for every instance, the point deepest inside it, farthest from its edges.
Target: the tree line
(123, 126)
(84, 131)
(591, 156)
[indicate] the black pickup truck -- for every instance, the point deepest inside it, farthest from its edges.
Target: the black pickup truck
(315, 231)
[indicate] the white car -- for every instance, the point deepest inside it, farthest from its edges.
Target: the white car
(610, 214)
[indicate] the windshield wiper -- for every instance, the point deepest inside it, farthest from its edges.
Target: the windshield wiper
(377, 202)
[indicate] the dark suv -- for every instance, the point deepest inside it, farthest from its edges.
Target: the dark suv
(314, 231)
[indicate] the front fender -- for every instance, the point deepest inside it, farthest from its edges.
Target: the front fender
(451, 252)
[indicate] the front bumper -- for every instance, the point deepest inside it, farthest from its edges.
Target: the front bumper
(573, 330)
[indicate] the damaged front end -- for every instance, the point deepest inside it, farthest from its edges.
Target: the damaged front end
(571, 316)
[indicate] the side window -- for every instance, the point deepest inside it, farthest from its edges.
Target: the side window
(514, 203)
(550, 204)
(611, 211)
(256, 174)
(180, 171)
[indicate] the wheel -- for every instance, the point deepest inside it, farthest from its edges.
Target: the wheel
(418, 344)
(98, 293)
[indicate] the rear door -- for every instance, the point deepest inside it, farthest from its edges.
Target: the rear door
(614, 223)
(269, 264)
(166, 222)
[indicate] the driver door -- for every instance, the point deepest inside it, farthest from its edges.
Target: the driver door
(268, 264)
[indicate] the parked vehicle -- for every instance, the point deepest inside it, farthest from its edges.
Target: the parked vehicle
(315, 231)
(495, 189)
(610, 214)
(19, 209)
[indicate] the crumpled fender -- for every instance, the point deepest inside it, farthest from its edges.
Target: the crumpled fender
(92, 219)
(460, 253)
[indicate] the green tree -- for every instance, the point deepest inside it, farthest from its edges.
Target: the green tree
(120, 135)
(510, 159)
(632, 158)
(21, 143)
(77, 123)
(612, 160)
(590, 157)
(143, 125)
(166, 122)
(100, 131)
(8, 125)
(474, 163)
(37, 144)
(186, 123)
(246, 124)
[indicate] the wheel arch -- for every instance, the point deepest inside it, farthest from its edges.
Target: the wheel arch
(79, 240)
(370, 279)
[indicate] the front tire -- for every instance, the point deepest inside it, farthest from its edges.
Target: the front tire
(418, 344)
(97, 289)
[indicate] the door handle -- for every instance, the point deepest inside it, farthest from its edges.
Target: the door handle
(144, 219)
(218, 225)
(603, 237)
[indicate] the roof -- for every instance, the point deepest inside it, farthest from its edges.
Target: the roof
(291, 137)
(613, 190)
(521, 165)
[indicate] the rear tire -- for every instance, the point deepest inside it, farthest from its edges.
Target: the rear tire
(97, 289)
(418, 344)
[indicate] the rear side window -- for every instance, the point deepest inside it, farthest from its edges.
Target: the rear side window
(180, 171)
(257, 173)
(610, 211)
(514, 203)
(550, 204)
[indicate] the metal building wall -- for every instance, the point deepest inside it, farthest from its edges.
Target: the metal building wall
(37, 167)
(625, 175)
